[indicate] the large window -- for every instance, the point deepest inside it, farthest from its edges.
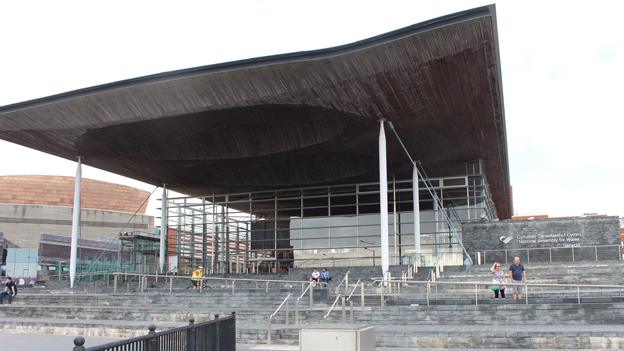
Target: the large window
(22, 263)
(297, 227)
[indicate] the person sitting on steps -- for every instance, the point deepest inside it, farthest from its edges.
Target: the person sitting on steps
(10, 290)
(198, 278)
(315, 277)
(325, 277)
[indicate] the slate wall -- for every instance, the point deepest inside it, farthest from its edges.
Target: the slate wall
(555, 239)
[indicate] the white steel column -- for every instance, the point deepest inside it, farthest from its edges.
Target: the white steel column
(383, 200)
(416, 199)
(73, 252)
(164, 227)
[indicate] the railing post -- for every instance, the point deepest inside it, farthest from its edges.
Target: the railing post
(578, 294)
(428, 288)
(115, 284)
(190, 335)
(476, 295)
(382, 297)
(286, 312)
(596, 252)
(572, 254)
(344, 310)
(526, 293)
(170, 285)
(347, 283)
(550, 255)
(233, 282)
(351, 310)
(311, 295)
(362, 295)
(269, 332)
(79, 342)
(217, 334)
(153, 344)
(267, 287)
(296, 311)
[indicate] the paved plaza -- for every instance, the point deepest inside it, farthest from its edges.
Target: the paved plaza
(38, 342)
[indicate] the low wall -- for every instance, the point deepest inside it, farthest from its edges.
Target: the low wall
(545, 240)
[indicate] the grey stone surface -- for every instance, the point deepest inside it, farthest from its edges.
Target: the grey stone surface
(39, 342)
(503, 240)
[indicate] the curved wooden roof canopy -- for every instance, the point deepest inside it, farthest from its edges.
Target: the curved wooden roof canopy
(299, 119)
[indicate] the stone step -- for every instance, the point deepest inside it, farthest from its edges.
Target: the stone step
(467, 337)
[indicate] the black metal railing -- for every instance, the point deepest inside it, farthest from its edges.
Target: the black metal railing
(218, 334)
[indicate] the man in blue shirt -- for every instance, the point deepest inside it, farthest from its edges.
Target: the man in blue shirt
(518, 276)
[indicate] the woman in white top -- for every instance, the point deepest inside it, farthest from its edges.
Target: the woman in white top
(498, 278)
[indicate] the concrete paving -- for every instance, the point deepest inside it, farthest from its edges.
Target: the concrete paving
(241, 347)
(39, 342)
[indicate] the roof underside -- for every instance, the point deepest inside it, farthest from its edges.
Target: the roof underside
(301, 119)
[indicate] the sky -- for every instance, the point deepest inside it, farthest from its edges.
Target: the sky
(562, 68)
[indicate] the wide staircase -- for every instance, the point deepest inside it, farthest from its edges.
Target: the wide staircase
(456, 310)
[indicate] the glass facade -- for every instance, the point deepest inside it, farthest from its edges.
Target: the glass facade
(335, 225)
(22, 263)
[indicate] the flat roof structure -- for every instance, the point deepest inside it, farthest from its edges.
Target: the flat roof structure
(293, 120)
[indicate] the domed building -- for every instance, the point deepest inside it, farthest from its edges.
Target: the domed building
(31, 205)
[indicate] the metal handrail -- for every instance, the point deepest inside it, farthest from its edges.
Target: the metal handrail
(280, 306)
(476, 285)
(305, 291)
(345, 278)
(353, 290)
(213, 278)
(332, 307)
(607, 286)
(273, 315)
(155, 338)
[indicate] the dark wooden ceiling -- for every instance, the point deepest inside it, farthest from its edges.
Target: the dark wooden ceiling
(300, 119)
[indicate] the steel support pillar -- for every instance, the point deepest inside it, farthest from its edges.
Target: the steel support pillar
(383, 201)
(416, 199)
(164, 227)
(73, 253)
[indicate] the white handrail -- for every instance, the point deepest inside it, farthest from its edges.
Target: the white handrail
(354, 288)
(279, 307)
(305, 291)
(215, 278)
(273, 315)
(332, 307)
(509, 284)
(346, 277)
